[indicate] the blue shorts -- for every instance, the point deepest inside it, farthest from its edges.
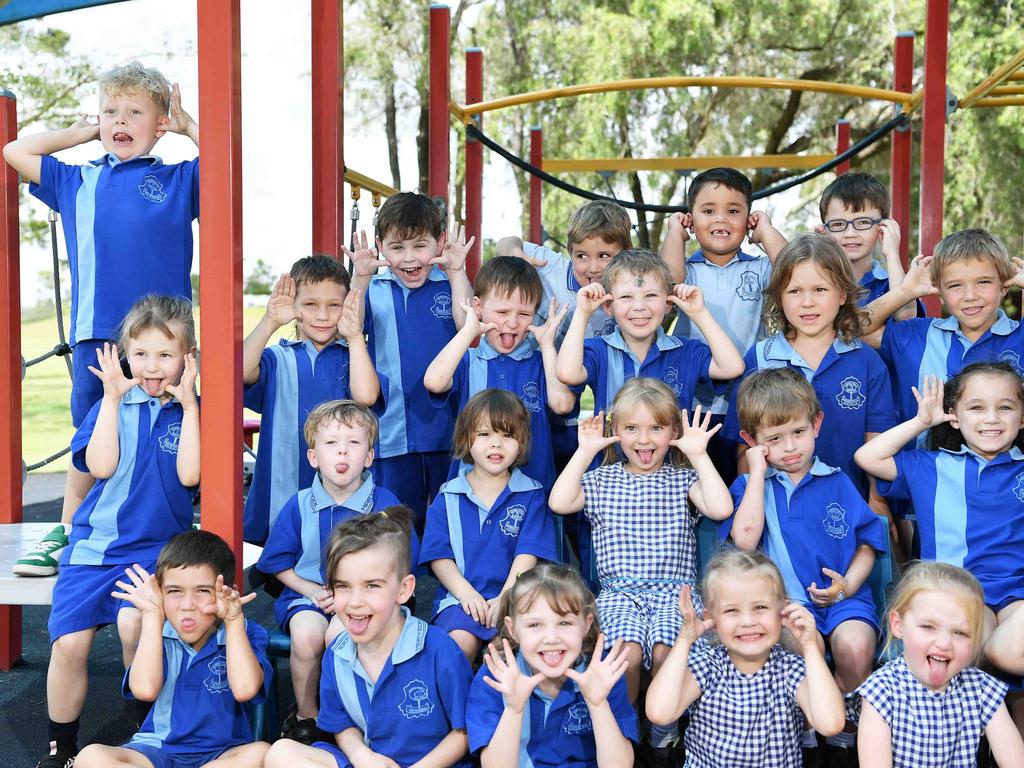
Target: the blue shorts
(286, 607)
(453, 617)
(160, 758)
(333, 751)
(414, 478)
(830, 617)
(82, 600)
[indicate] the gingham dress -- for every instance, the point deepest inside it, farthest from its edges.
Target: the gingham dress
(931, 729)
(744, 721)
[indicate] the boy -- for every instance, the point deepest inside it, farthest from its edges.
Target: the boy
(508, 293)
(340, 435)
(393, 689)
(412, 310)
(810, 519)
(327, 361)
(127, 221)
(199, 661)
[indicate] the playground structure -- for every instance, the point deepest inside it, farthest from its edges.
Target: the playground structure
(220, 235)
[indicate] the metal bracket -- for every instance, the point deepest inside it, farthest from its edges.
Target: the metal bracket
(952, 102)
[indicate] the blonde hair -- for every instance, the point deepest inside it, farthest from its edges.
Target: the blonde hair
(736, 562)
(663, 405)
(137, 78)
(171, 315)
(828, 257)
(638, 262)
(602, 219)
(501, 409)
(774, 396)
(346, 412)
(391, 527)
(968, 244)
(930, 576)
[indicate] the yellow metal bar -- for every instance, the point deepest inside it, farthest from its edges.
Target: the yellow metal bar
(990, 82)
(359, 180)
(1000, 101)
(1016, 76)
(684, 163)
(1007, 90)
(818, 86)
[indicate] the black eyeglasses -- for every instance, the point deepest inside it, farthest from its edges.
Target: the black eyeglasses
(861, 223)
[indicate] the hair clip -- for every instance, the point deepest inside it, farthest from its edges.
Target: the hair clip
(384, 514)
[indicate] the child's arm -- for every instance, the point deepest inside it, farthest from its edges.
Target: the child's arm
(458, 586)
(709, 494)
(595, 684)
(889, 234)
(365, 263)
(874, 737)
(104, 450)
(515, 689)
(180, 121)
(280, 311)
(245, 673)
(1004, 739)
(520, 564)
(748, 525)
(673, 247)
(363, 381)
(916, 284)
(569, 367)
(350, 741)
(849, 583)
(818, 695)
(188, 460)
(764, 233)
(146, 675)
(674, 688)
(448, 751)
(25, 155)
(566, 495)
(726, 361)
(560, 398)
(318, 594)
(441, 371)
(453, 262)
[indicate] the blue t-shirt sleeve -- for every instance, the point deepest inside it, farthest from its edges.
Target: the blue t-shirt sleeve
(698, 359)
(731, 428)
(284, 544)
(53, 175)
(436, 544)
(483, 711)
(595, 356)
(625, 713)
(907, 462)
(881, 413)
(80, 441)
(537, 535)
(454, 676)
(254, 395)
(333, 717)
(258, 639)
(458, 385)
(191, 168)
(898, 337)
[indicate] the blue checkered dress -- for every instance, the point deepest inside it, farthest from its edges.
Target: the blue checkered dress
(745, 721)
(931, 729)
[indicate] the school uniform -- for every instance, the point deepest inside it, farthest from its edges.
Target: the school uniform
(875, 282)
(406, 329)
(970, 513)
(483, 541)
(126, 518)
(929, 729)
(744, 721)
(195, 717)
(557, 732)
(299, 538)
(853, 387)
(416, 701)
(817, 524)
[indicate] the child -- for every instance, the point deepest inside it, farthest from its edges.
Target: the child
(127, 221)
(812, 300)
(489, 524)
(810, 519)
(508, 293)
(141, 443)
(393, 689)
(929, 706)
(412, 310)
(747, 696)
(199, 661)
(639, 512)
(573, 710)
(340, 435)
(968, 490)
(328, 360)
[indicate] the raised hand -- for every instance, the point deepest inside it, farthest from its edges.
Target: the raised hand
(281, 304)
(350, 324)
(142, 590)
(178, 120)
(115, 383)
(590, 298)
(889, 235)
(799, 621)
(680, 225)
(601, 675)
(757, 460)
(696, 435)
(513, 246)
(474, 325)
(87, 128)
(929, 402)
(694, 626)
(185, 390)
(592, 438)
(228, 603)
(1017, 279)
(456, 249)
(688, 298)
(758, 223)
(828, 595)
(918, 279)
(545, 335)
(365, 261)
(507, 679)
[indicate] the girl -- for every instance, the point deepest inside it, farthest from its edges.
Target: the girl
(487, 525)
(929, 706)
(573, 710)
(968, 490)
(747, 696)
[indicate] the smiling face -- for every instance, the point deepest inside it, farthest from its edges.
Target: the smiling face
(590, 257)
(319, 306)
(936, 635)
(989, 413)
(186, 592)
(157, 360)
(857, 244)
(972, 292)
(409, 258)
(493, 451)
(810, 302)
(791, 445)
(639, 304)
(719, 221)
(341, 453)
(550, 642)
(643, 440)
(512, 313)
(130, 124)
(748, 618)
(368, 594)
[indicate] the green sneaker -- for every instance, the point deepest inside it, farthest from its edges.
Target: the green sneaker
(45, 558)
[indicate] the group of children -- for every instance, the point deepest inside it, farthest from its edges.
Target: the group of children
(418, 421)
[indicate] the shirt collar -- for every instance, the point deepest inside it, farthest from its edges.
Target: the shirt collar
(1003, 325)
(778, 347)
(434, 276)
(111, 160)
(1014, 454)
(878, 271)
(410, 641)
(137, 395)
(818, 469)
(359, 501)
(525, 349)
(517, 482)
(698, 258)
(304, 342)
(662, 340)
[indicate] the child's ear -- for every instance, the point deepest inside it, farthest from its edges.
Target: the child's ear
(406, 589)
(820, 229)
(161, 125)
(817, 423)
(895, 625)
(745, 436)
(476, 307)
(369, 459)
(311, 458)
(955, 422)
(511, 628)
(441, 241)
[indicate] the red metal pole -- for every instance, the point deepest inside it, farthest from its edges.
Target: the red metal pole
(536, 160)
(474, 161)
(10, 378)
(220, 245)
(933, 131)
(842, 144)
(902, 143)
(328, 127)
(439, 163)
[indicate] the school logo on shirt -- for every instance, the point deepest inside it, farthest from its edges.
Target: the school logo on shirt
(152, 189)
(512, 520)
(1018, 490)
(672, 379)
(835, 521)
(531, 396)
(442, 308)
(850, 397)
(217, 682)
(577, 719)
(1011, 357)
(417, 700)
(749, 288)
(169, 442)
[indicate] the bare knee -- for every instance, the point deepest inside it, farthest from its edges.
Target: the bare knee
(284, 753)
(853, 650)
(72, 649)
(307, 645)
(469, 643)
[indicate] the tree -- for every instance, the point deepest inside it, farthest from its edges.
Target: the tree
(260, 280)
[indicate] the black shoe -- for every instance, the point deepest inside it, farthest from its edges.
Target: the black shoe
(62, 758)
(304, 731)
(668, 757)
(838, 757)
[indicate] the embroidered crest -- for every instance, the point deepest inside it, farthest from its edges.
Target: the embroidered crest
(217, 682)
(169, 442)
(850, 397)
(835, 521)
(577, 719)
(531, 396)
(152, 189)
(442, 308)
(512, 520)
(672, 379)
(1018, 489)
(416, 702)
(749, 288)
(1011, 357)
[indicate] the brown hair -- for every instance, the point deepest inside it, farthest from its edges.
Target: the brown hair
(736, 562)
(165, 313)
(639, 262)
(391, 527)
(968, 244)
(773, 396)
(135, 77)
(196, 548)
(945, 435)
(409, 215)
(602, 219)
(501, 409)
(856, 191)
(828, 257)
(319, 268)
(504, 275)
(347, 412)
(663, 405)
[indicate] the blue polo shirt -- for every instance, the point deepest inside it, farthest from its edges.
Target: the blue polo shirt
(406, 329)
(294, 379)
(128, 233)
(556, 733)
(733, 296)
(520, 372)
(129, 517)
(876, 283)
(853, 387)
(926, 346)
(195, 711)
(970, 513)
(483, 541)
(416, 701)
(816, 524)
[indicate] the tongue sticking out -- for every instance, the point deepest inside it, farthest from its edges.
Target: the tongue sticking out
(357, 624)
(341, 469)
(153, 386)
(937, 671)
